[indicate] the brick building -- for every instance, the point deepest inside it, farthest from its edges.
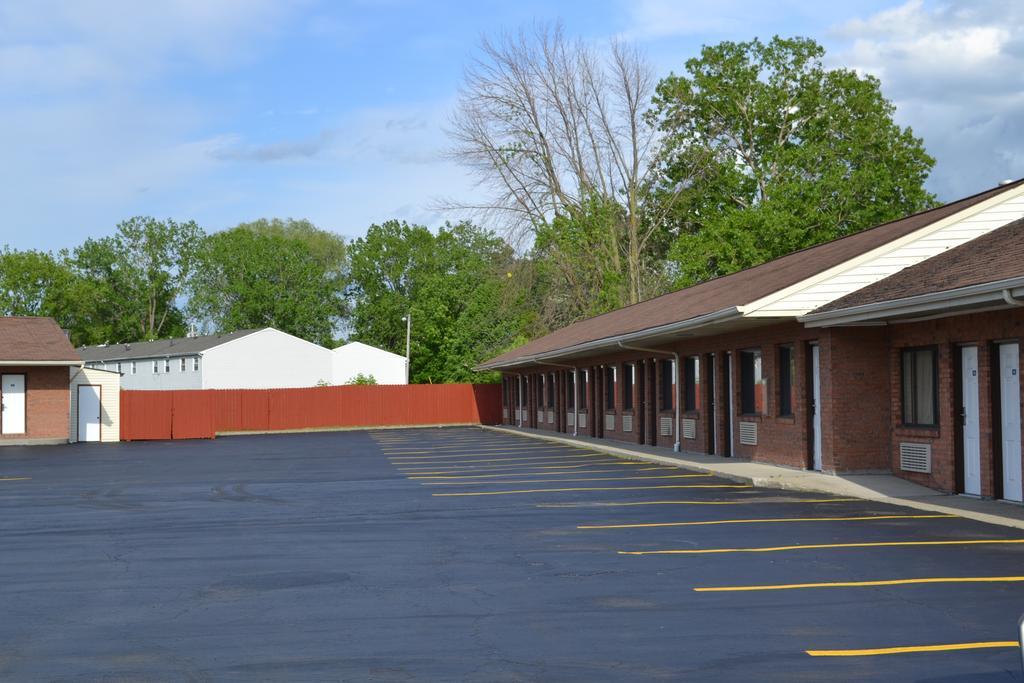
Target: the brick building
(845, 357)
(35, 357)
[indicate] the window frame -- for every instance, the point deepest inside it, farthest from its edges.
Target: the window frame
(195, 364)
(750, 409)
(786, 380)
(182, 364)
(610, 386)
(135, 367)
(156, 367)
(667, 393)
(628, 385)
(691, 380)
(933, 349)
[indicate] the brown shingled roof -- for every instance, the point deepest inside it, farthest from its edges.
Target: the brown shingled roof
(34, 340)
(995, 256)
(740, 288)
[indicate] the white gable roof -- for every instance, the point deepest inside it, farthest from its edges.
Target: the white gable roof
(890, 258)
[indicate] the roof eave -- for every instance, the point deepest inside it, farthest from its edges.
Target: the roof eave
(723, 315)
(952, 301)
(41, 363)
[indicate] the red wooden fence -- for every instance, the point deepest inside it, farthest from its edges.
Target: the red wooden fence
(203, 413)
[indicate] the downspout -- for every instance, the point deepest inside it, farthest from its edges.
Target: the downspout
(1009, 298)
(678, 368)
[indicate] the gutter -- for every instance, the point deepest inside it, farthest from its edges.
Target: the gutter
(1004, 291)
(722, 315)
(678, 368)
(43, 363)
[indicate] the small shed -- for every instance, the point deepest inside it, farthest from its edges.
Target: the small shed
(95, 413)
(356, 358)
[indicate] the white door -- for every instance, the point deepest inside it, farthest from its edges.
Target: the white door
(88, 412)
(971, 424)
(816, 405)
(12, 402)
(1009, 395)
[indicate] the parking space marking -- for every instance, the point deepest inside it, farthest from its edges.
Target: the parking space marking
(441, 452)
(555, 472)
(862, 584)
(914, 648)
(15, 478)
(752, 501)
(469, 462)
(601, 488)
(549, 481)
(503, 469)
(818, 546)
(776, 520)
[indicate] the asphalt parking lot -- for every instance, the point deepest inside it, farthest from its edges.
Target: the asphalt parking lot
(463, 554)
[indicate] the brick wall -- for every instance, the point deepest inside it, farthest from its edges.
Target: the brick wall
(948, 335)
(46, 402)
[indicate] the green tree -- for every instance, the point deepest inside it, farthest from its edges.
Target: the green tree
(268, 276)
(31, 283)
(130, 284)
(455, 284)
(770, 152)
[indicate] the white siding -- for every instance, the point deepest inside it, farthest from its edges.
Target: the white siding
(110, 402)
(926, 243)
(268, 359)
(356, 357)
(145, 378)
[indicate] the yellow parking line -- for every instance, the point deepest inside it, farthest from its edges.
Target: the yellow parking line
(777, 520)
(752, 501)
(817, 546)
(470, 462)
(914, 648)
(601, 488)
(549, 481)
(473, 449)
(15, 478)
(862, 584)
(513, 462)
(447, 475)
(539, 469)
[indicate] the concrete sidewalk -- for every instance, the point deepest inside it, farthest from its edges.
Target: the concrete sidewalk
(884, 488)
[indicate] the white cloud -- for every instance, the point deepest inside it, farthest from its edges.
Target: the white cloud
(955, 71)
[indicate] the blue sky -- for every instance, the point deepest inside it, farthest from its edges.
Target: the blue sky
(230, 110)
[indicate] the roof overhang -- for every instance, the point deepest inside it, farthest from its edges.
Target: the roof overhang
(41, 363)
(1001, 294)
(723, 320)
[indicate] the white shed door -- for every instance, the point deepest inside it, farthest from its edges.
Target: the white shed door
(88, 412)
(1009, 393)
(12, 401)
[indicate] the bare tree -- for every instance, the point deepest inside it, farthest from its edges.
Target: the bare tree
(550, 126)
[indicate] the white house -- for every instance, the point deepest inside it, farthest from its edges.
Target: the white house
(246, 359)
(357, 358)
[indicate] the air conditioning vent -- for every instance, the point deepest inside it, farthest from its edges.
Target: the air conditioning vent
(570, 419)
(583, 420)
(540, 417)
(748, 433)
(916, 457)
(627, 423)
(665, 426)
(551, 417)
(689, 428)
(504, 413)
(609, 423)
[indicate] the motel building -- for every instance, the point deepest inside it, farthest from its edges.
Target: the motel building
(894, 349)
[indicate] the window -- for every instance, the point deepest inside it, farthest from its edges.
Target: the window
(570, 391)
(156, 367)
(752, 383)
(135, 367)
(609, 387)
(627, 386)
(181, 367)
(167, 364)
(787, 380)
(691, 386)
(920, 388)
(119, 368)
(195, 364)
(551, 390)
(668, 381)
(584, 376)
